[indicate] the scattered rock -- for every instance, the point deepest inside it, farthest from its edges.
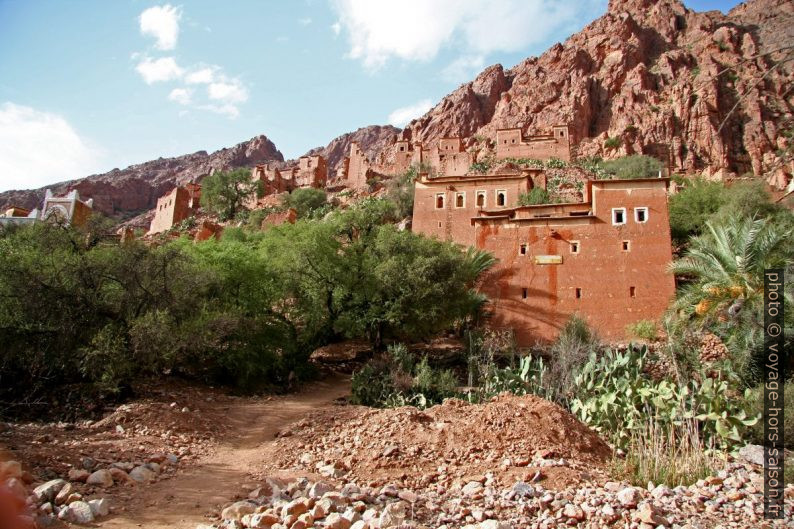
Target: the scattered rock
(237, 510)
(100, 507)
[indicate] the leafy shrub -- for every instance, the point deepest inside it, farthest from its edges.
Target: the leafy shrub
(536, 195)
(372, 384)
(755, 400)
(692, 206)
(526, 378)
(644, 330)
(615, 398)
(555, 163)
(305, 200)
(612, 143)
(634, 166)
(569, 352)
(394, 380)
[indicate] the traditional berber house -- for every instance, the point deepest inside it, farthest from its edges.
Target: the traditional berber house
(69, 209)
(604, 258)
(174, 207)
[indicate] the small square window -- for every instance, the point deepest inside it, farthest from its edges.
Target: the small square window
(641, 215)
(460, 200)
(574, 246)
(524, 293)
(578, 293)
(440, 201)
(522, 250)
(618, 216)
(625, 246)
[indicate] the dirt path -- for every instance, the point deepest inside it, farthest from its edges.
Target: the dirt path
(183, 501)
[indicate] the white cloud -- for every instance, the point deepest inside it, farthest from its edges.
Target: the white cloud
(336, 27)
(304, 21)
(183, 96)
(463, 68)
(418, 29)
(159, 70)
(228, 91)
(162, 23)
(202, 76)
(402, 116)
(39, 148)
(223, 94)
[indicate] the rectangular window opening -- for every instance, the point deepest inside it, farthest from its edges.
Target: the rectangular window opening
(524, 293)
(501, 198)
(641, 215)
(574, 246)
(618, 216)
(460, 200)
(440, 201)
(522, 250)
(480, 199)
(626, 246)
(578, 293)
(632, 292)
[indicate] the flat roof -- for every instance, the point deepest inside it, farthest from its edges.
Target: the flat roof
(629, 180)
(450, 179)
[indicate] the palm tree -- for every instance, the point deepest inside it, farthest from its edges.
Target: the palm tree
(724, 268)
(724, 274)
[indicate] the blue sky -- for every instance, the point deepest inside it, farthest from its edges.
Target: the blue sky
(86, 86)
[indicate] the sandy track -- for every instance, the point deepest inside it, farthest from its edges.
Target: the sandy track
(183, 501)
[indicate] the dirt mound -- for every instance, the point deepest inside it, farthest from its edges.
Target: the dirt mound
(513, 438)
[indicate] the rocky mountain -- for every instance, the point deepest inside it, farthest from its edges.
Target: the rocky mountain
(651, 77)
(123, 193)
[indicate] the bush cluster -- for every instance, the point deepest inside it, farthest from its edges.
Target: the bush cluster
(245, 310)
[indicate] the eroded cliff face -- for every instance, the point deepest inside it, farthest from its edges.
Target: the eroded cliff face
(123, 193)
(657, 77)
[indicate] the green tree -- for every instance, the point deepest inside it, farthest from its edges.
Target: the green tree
(400, 190)
(305, 201)
(634, 166)
(692, 206)
(225, 192)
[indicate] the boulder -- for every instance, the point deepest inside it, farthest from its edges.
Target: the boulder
(141, 474)
(629, 497)
(80, 512)
(78, 474)
(753, 454)
(238, 509)
(102, 478)
(48, 491)
(100, 507)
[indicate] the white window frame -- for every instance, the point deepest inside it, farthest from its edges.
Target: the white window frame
(644, 209)
(577, 245)
(525, 247)
(615, 210)
(443, 201)
(484, 195)
(504, 192)
(460, 194)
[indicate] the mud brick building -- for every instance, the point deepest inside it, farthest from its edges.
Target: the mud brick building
(604, 258)
(176, 206)
(512, 143)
